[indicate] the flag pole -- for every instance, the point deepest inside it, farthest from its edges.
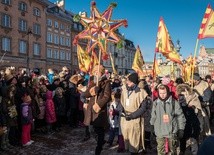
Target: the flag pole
(153, 76)
(193, 64)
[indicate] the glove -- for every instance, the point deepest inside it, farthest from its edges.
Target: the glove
(180, 133)
(128, 117)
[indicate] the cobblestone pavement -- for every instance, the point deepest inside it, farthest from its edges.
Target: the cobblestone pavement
(66, 142)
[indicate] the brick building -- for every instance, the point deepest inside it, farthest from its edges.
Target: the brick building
(22, 43)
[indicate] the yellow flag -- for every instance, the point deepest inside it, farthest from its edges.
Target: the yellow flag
(138, 61)
(113, 66)
(83, 59)
(207, 25)
(156, 69)
(164, 43)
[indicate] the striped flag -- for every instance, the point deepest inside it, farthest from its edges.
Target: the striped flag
(93, 62)
(164, 43)
(207, 25)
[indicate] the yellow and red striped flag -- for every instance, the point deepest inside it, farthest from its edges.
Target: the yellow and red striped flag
(93, 62)
(207, 25)
(138, 62)
(83, 59)
(156, 69)
(164, 43)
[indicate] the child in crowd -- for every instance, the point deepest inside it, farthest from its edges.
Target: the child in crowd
(41, 117)
(114, 110)
(50, 115)
(26, 120)
(60, 107)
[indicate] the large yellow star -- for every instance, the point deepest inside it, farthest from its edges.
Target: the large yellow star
(100, 29)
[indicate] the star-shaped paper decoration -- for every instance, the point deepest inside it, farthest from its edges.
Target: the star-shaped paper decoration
(100, 29)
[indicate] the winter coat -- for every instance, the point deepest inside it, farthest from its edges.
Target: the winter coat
(50, 114)
(74, 97)
(133, 130)
(60, 105)
(9, 112)
(192, 127)
(26, 114)
(175, 114)
(104, 95)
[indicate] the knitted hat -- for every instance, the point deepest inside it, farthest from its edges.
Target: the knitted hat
(196, 76)
(133, 78)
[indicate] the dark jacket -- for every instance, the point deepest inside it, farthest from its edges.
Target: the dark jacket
(104, 96)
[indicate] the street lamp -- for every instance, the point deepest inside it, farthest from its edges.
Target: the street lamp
(28, 51)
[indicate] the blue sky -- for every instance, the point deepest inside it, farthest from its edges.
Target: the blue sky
(182, 18)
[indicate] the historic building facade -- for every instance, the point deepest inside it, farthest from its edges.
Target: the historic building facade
(22, 43)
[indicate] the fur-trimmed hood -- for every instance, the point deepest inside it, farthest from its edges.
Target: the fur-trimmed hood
(181, 88)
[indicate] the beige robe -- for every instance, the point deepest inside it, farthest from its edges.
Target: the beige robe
(133, 130)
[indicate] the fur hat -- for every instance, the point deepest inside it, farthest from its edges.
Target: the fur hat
(133, 78)
(59, 91)
(8, 77)
(98, 67)
(196, 76)
(76, 78)
(181, 88)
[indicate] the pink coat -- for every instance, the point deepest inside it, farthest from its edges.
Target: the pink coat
(50, 114)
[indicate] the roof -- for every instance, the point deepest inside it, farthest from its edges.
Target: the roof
(210, 50)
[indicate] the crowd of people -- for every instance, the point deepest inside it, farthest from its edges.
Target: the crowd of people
(130, 107)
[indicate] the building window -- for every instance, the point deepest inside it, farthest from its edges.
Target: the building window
(56, 25)
(49, 22)
(22, 25)
(36, 12)
(56, 54)
(62, 27)
(7, 2)
(36, 49)
(37, 29)
(68, 56)
(6, 20)
(49, 53)
(49, 37)
(56, 39)
(22, 47)
(62, 40)
(62, 55)
(67, 42)
(22, 6)
(6, 44)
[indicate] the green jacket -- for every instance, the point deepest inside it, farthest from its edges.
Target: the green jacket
(176, 118)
